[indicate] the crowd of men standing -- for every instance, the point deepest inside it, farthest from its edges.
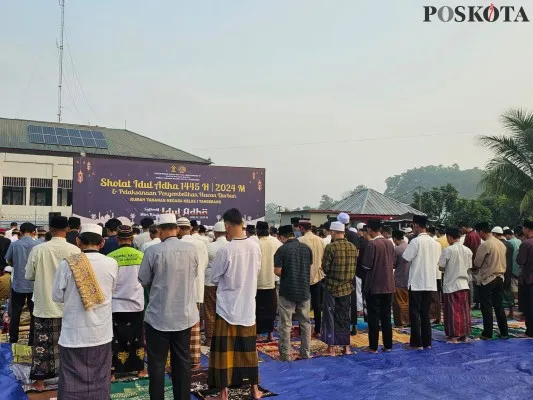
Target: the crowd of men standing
(111, 296)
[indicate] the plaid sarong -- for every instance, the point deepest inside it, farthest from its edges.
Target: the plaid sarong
(45, 354)
(233, 358)
(210, 309)
(196, 346)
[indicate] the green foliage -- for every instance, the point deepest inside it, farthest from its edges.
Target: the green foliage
(504, 211)
(510, 171)
(271, 213)
(469, 212)
(326, 202)
(438, 203)
(403, 186)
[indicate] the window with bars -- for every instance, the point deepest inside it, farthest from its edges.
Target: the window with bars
(13, 191)
(64, 192)
(40, 192)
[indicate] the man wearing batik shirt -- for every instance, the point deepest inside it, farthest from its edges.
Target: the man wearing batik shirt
(525, 260)
(338, 264)
(128, 306)
(43, 262)
(455, 261)
(317, 246)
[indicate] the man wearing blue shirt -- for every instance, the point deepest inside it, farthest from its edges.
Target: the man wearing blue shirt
(21, 289)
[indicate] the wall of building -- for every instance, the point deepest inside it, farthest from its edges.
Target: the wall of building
(317, 218)
(34, 166)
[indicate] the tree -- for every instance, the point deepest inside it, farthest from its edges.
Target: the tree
(438, 203)
(306, 208)
(510, 171)
(326, 202)
(469, 212)
(348, 193)
(403, 186)
(271, 213)
(504, 211)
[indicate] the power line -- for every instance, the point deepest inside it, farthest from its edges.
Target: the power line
(371, 139)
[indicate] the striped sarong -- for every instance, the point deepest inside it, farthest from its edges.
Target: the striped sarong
(233, 358)
(196, 346)
(457, 319)
(45, 353)
(210, 309)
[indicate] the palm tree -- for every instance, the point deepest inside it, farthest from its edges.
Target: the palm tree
(510, 171)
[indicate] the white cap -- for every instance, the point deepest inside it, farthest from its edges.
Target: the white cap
(498, 230)
(165, 219)
(506, 228)
(183, 222)
(407, 230)
(8, 269)
(360, 226)
(219, 227)
(337, 226)
(343, 218)
(91, 228)
(353, 230)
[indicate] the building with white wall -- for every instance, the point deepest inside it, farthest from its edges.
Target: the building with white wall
(36, 163)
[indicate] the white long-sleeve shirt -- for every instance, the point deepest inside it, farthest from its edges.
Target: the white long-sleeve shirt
(203, 260)
(81, 328)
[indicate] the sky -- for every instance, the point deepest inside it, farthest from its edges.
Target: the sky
(324, 95)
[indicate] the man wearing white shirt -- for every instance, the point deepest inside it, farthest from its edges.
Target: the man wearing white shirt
(423, 253)
(195, 232)
(327, 233)
(210, 289)
(154, 238)
(184, 233)
(84, 283)
(9, 233)
(235, 270)
(455, 262)
(140, 240)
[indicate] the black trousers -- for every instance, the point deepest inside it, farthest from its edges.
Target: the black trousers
(527, 299)
(419, 302)
(316, 304)
(491, 296)
(158, 344)
(16, 305)
(378, 307)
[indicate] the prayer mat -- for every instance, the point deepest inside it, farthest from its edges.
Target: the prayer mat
(21, 353)
(200, 389)
(137, 390)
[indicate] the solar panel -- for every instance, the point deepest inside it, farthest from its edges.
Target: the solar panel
(76, 142)
(102, 144)
(66, 137)
(35, 129)
(50, 139)
(36, 138)
(63, 140)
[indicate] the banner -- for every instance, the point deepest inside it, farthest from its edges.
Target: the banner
(132, 190)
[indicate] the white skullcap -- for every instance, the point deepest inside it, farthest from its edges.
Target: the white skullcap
(165, 219)
(219, 227)
(506, 228)
(343, 218)
(337, 226)
(360, 226)
(407, 230)
(91, 228)
(8, 269)
(183, 222)
(498, 230)
(352, 230)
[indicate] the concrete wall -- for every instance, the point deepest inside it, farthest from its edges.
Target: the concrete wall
(33, 166)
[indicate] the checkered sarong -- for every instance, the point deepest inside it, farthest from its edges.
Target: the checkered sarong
(233, 358)
(196, 346)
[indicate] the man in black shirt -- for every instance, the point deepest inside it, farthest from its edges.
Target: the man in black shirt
(4, 245)
(292, 263)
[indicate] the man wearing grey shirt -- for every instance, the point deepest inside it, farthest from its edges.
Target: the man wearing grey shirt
(170, 268)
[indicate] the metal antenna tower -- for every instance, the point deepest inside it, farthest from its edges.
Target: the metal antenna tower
(62, 6)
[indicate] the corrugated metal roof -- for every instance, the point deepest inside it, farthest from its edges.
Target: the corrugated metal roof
(122, 143)
(371, 202)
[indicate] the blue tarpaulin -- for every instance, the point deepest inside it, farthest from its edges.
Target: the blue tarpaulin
(491, 370)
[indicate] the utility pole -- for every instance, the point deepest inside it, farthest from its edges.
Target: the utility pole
(62, 6)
